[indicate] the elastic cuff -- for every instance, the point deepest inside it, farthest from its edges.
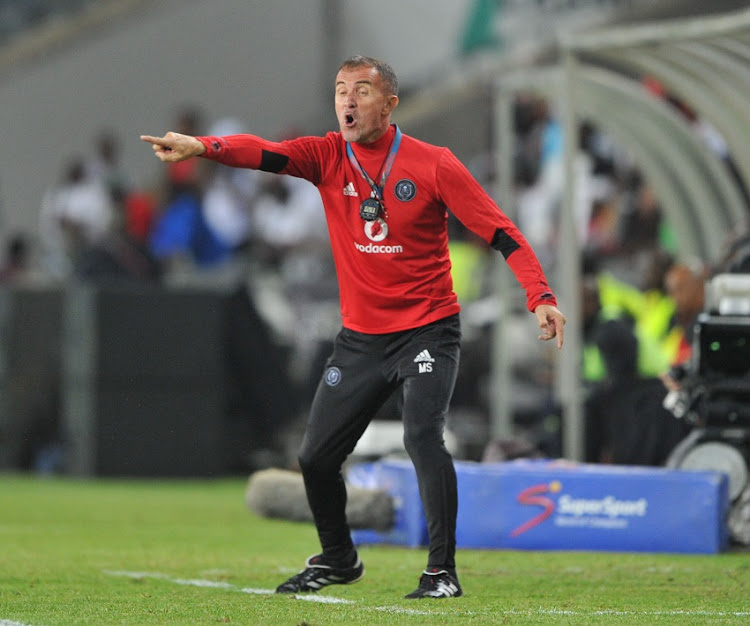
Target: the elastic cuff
(214, 146)
(544, 298)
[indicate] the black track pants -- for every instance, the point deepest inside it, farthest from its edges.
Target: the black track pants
(363, 372)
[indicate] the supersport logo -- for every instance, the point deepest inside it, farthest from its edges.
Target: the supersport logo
(532, 495)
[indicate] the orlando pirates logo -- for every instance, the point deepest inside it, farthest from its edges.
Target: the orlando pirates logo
(405, 190)
(333, 376)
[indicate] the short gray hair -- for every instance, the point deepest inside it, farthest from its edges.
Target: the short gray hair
(388, 76)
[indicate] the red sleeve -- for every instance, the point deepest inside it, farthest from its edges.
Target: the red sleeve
(235, 150)
(471, 204)
(296, 157)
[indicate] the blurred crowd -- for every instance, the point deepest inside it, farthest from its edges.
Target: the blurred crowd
(640, 296)
(259, 239)
(194, 216)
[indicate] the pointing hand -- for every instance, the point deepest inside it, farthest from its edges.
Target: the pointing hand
(174, 147)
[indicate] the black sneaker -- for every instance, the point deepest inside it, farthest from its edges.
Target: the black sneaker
(318, 574)
(437, 583)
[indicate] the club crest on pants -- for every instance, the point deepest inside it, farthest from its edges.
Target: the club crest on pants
(332, 376)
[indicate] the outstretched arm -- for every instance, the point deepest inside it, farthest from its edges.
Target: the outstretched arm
(551, 322)
(174, 147)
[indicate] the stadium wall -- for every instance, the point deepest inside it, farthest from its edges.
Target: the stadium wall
(136, 380)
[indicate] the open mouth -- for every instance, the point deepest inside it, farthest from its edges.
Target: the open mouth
(349, 120)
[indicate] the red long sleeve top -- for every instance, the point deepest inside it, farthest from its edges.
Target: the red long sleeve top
(393, 273)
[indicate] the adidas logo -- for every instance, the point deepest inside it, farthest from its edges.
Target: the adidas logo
(443, 590)
(425, 361)
(349, 190)
(424, 357)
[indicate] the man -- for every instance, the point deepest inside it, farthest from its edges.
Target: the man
(626, 422)
(385, 196)
(685, 284)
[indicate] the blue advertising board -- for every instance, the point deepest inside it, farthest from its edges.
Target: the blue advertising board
(558, 505)
(399, 479)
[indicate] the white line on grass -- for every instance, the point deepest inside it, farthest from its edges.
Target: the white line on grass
(201, 583)
(10, 622)
(257, 592)
(212, 584)
(196, 582)
(616, 613)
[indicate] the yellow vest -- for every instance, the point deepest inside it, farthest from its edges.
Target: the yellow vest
(652, 312)
(653, 360)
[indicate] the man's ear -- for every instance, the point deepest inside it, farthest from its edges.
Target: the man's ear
(390, 104)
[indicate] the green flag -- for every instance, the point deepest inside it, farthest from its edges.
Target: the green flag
(480, 31)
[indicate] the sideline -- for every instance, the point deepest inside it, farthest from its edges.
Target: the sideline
(309, 597)
(541, 611)
(212, 584)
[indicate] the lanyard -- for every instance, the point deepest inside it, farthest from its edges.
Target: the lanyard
(387, 165)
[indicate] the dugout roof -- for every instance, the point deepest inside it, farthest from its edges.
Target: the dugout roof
(703, 62)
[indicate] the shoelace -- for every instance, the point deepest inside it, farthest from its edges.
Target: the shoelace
(428, 581)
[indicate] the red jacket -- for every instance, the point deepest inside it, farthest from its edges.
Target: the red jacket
(394, 274)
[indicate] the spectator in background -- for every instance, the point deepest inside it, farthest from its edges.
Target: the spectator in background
(540, 180)
(609, 359)
(229, 194)
(643, 226)
(122, 253)
(103, 165)
(76, 215)
(139, 210)
(288, 218)
(290, 242)
(626, 422)
(470, 262)
(539, 172)
(655, 312)
(601, 236)
(648, 360)
(85, 221)
(181, 237)
(686, 284)
(16, 263)
(594, 199)
(645, 302)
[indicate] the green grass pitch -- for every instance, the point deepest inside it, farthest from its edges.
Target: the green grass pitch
(188, 552)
